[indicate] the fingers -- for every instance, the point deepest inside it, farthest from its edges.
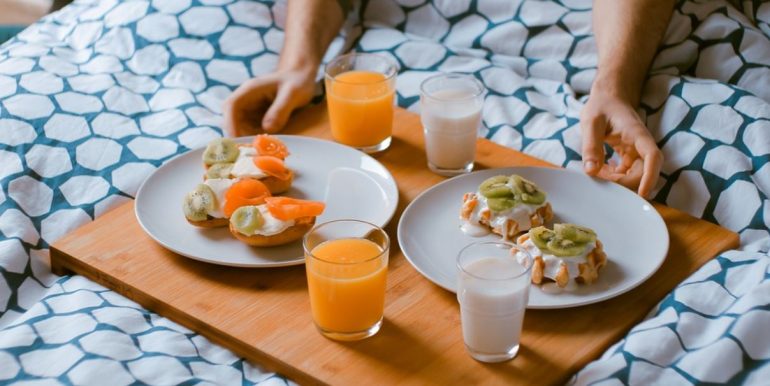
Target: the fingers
(593, 129)
(278, 114)
(653, 162)
(631, 177)
(627, 157)
(229, 118)
(244, 108)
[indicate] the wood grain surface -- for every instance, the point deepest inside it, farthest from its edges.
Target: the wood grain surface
(264, 314)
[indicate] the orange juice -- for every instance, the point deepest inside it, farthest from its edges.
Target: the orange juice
(346, 280)
(360, 107)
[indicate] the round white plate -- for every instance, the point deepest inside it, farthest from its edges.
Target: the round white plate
(351, 183)
(634, 235)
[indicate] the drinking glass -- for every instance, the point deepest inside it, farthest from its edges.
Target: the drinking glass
(359, 95)
(493, 291)
(450, 110)
(347, 263)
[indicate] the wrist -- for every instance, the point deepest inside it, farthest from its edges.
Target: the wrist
(299, 65)
(303, 71)
(617, 86)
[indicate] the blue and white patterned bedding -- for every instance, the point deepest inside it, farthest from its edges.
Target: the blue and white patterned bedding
(97, 96)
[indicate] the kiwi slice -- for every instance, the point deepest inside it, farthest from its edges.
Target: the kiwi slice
(221, 170)
(247, 219)
(540, 236)
(500, 204)
(576, 233)
(527, 191)
(199, 202)
(496, 187)
(220, 150)
(565, 248)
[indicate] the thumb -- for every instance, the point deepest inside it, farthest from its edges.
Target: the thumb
(276, 116)
(593, 130)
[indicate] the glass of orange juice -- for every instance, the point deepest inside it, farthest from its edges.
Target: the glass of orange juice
(359, 95)
(347, 265)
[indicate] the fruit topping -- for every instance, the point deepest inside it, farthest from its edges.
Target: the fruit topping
(245, 192)
(247, 219)
(220, 170)
(500, 204)
(272, 166)
(575, 233)
(527, 191)
(565, 240)
(220, 150)
(286, 208)
(269, 145)
(199, 202)
(496, 187)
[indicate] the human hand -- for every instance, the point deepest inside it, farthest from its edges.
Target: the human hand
(610, 119)
(266, 102)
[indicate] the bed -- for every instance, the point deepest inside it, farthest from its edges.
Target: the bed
(95, 97)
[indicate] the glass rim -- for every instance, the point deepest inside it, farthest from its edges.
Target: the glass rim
(318, 226)
(392, 67)
(526, 271)
(480, 89)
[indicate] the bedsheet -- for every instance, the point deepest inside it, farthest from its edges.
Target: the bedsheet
(97, 96)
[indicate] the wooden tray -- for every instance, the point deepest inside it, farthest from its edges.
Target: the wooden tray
(264, 314)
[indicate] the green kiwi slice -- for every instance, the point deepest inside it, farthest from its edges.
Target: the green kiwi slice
(247, 219)
(576, 233)
(496, 187)
(500, 204)
(565, 248)
(199, 202)
(220, 170)
(527, 191)
(541, 236)
(220, 150)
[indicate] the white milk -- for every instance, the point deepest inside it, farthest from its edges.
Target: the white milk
(451, 119)
(492, 311)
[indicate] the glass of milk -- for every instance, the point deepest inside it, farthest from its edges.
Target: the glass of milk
(493, 291)
(450, 110)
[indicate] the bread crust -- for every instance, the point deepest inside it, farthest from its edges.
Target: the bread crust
(274, 184)
(278, 186)
(293, 233)
(210, 222)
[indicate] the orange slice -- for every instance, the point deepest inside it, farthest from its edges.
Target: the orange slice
(286, 208)
(269, 145)
(245, 192)
(272, 166)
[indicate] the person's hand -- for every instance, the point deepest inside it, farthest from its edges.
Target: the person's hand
(610, 119)
(266, 102)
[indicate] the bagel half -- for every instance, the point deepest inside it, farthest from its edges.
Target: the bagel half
(278, 186)
(274, 184)
(293, 233)
(210, 222)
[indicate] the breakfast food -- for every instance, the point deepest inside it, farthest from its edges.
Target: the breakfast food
(568, 252)
(211, 203)
(280, 220)
(262, 160)
(237, 191)
(507, 206)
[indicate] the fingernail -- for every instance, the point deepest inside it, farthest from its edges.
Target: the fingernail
(589, 166)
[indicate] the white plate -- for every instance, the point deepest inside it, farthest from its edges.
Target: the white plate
(633, 233)
(351, 183)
